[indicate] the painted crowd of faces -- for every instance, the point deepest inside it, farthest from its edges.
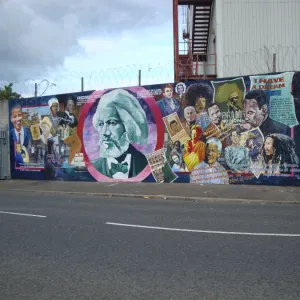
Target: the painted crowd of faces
(217, 132)
(42, 136)
(223, 116)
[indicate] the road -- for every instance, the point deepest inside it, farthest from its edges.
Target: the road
(72, 253)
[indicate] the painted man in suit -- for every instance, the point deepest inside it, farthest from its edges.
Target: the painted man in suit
(20, 135)
(168, 104)
(120, 121)
(256, 114)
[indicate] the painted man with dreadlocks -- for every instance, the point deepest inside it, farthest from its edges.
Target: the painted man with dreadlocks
(279, 153)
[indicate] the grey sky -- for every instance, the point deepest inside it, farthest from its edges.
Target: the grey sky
(38, 35)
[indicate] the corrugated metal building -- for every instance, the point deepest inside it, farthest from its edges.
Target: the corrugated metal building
(224, 38)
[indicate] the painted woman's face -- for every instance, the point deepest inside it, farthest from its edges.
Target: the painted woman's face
(200, 104)
(180, 89)
(54, 109)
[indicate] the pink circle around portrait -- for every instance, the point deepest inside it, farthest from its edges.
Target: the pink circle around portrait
(148, 98)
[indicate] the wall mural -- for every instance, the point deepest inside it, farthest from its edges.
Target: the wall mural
(242, 130)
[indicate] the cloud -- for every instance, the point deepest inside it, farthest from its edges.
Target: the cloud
(37, 36)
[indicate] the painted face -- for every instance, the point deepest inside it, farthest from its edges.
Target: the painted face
(215, 114)
(235, 138)
(190, 114)
(243, 139)
(113, 138)
(212, 153)
(16, 118)
(177, 146)
(200, 104)
(70, 106)
(180, 89)
(194, 135)
(268, 146)
(253, 115)
(175, 127)
(54, 109)
(168, 93)
(234, 97)
(175, 159)
(251, 144)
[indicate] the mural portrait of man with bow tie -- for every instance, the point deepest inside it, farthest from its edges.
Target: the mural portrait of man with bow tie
(120, 122)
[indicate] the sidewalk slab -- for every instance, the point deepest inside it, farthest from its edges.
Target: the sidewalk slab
(165, 191)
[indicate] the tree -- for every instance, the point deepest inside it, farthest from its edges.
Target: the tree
(7, 93)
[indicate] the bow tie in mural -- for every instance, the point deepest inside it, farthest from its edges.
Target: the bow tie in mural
(120, 167)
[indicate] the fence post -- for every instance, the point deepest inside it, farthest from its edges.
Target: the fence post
(82, 84)
(140, 77)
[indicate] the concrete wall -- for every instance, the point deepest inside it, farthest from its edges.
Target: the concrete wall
(242, 130)
(4, 142)
(3, 113)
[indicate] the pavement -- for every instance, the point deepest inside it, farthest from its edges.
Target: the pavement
(175, 191)
(74, 253)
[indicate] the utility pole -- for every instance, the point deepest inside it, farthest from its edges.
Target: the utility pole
(35, 89)
(82, 84)
(140, 77)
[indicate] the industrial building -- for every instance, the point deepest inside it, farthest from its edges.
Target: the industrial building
(224, 38)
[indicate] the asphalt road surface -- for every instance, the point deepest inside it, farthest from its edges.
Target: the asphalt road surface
(67, 248)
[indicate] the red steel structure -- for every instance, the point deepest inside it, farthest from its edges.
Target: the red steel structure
(193, 61)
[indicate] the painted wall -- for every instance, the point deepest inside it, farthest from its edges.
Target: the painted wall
(240, 130)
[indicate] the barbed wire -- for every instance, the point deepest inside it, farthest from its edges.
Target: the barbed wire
(123, 76)
(237, 64)
(261, 61)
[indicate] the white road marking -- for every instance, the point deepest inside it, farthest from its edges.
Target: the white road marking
(205, 231)
(113, 184)
(22, 214)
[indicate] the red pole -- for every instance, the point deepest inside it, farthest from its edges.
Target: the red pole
(175, 34)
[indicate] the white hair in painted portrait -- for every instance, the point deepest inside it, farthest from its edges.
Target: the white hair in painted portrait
(120, 121)
(189, 108)
(215, 141)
